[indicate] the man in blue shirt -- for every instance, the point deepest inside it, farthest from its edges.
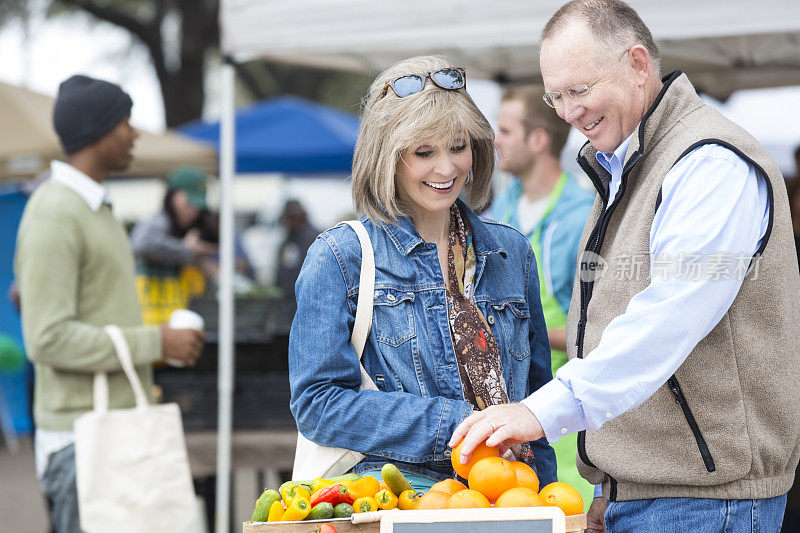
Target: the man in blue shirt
(550, 208)
(681, 345)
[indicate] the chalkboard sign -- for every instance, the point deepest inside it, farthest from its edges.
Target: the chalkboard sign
(505, 520)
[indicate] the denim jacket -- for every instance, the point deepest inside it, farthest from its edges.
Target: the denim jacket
(409, 352)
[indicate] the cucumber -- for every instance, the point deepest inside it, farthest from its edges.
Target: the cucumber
(343, 510)
(265, 501)
(321, 511)
(395, 479)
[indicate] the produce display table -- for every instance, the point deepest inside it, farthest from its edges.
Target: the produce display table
(574, 524)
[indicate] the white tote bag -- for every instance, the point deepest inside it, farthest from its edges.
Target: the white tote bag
(312, 460)
(132, 469)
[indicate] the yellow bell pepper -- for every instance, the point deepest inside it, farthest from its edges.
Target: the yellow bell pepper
(408, 500)
(295, 491)
(298, 510)
(365, 487)
(386, 500)
(275, 512)
(365, 505)
(319, 483)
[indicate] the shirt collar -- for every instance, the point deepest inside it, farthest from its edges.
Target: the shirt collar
(94, 194)
(608, 159)
(406, 237)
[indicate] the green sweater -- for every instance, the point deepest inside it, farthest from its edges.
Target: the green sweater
(76, 274)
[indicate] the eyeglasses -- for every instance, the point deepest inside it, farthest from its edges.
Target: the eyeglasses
(449, 79)
(555, 99)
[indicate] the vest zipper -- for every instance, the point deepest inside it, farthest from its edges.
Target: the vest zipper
(680, 399)
(612, 493)
(593, 245)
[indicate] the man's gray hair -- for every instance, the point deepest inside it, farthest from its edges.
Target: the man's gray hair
(615, 26)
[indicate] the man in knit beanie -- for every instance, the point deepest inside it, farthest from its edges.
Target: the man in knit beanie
(76, 275)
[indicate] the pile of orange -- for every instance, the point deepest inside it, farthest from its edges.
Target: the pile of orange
(494, 481)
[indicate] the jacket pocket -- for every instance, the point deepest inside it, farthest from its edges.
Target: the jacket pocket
(393, 316)
(512, 318)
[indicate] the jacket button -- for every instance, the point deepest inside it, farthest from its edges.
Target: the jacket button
(490, 320)
(448, 452)
(563, 431)
(390, 297)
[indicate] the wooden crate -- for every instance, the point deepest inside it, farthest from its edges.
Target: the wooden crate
(343, 525)
(575, 524)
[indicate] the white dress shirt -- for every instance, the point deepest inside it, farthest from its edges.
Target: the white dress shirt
(713, 204)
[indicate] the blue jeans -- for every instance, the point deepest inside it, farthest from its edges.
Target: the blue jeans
(696, 515)
(58, 485)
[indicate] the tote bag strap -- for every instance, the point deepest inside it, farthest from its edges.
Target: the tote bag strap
(366, 289)
(101, 379)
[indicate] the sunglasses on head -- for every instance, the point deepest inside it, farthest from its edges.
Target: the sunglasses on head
(449, 79)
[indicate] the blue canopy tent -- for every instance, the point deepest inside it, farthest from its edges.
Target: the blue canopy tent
(14, 382)
(287, 134)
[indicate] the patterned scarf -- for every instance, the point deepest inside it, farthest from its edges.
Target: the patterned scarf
(479, 362)
(478, 355)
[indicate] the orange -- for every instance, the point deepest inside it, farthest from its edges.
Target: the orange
(492, 476)
(563, 495)
(433, 499)
(477, 454)
(467, 499)
(526, 477)
(519, 497)
(449, 486)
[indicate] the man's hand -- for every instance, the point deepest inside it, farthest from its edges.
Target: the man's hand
(184, 345)
(595, 521)
(499, 425)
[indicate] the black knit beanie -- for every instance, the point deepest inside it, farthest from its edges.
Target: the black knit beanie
(87, 109)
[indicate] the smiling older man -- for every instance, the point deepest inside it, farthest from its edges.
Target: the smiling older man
(683, 323)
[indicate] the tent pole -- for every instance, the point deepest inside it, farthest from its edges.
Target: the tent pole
(225, 298)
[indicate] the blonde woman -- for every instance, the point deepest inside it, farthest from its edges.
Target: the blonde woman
(457, 320)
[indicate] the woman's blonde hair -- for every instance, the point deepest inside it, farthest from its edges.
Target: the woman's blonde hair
(391, 125)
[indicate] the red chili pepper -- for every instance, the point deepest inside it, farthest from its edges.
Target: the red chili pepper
(334, 495)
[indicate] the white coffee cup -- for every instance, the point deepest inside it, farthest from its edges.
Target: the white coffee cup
(184, 319)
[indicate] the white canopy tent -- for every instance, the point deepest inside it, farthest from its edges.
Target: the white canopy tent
(723, 45)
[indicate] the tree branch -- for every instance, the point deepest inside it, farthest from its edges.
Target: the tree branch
(113, 16)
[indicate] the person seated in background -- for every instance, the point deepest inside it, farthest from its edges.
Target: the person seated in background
(299, 236)
(174, 251)
(457, 319)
